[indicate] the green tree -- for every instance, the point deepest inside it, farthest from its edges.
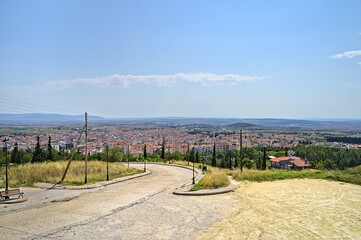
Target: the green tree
(230, 159)
(15, 154)
(248, 163)
(192, 156)
(50, 150)
(214, 159)
(38, 154)
(162, 156)
(145, 152)
(264, 162)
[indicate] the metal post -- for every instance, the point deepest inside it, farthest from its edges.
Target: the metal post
(86, 148)
(169, 154)
(6, 165)
(241, 149)
(107, 162)
(145, 158)
(193, 182)
(188, 153)
(128, 156)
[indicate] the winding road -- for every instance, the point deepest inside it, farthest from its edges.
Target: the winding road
(141, 208)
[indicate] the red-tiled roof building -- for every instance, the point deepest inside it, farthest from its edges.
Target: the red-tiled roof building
(291, 162)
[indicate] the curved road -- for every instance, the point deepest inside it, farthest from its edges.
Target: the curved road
(142, 208)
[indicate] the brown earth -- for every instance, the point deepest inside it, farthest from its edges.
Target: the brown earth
(292, 209)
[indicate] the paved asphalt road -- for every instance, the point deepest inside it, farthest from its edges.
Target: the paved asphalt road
(142, 208)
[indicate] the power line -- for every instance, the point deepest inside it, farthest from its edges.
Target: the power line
(12, 104)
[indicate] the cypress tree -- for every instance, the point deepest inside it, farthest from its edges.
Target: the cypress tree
(197, 157)
(230, 160)
(214, 160)
(236, 162)
(224, 159)
(50, 150)
(163, 150)
(192, 157)
(15, 155)
(264, 164)
(38, 155)
(145, 152)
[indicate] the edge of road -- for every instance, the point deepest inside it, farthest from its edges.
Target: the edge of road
(90, 186)
(183, 190)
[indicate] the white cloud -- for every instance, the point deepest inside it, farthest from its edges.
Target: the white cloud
(117, 80)
(359, 63)
(347, 54)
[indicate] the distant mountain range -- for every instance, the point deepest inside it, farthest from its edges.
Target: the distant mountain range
(39, 118)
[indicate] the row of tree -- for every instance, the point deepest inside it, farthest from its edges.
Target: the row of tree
(252, 157)
(352, 140)
(37, 154)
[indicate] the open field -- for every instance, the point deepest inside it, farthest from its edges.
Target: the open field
(292, 209)
(349, 175)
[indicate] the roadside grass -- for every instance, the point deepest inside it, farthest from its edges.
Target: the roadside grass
(350, 175)
(52, 172)
(214, 178)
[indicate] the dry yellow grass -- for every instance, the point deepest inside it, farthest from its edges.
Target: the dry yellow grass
(214, 178)
(52, 172)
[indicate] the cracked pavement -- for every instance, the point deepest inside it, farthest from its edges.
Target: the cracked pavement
(141, 208)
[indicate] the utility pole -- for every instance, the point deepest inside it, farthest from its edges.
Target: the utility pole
(169, 154)
(6, 164)
(86, 148)
(128, 156)
(241, 148)
(188, 153)
(107, 147)
(145, 157)
(193, 182)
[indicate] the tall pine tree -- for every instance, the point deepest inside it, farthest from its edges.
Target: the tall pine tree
(15, 154)
(264, 162)
(50, 150)
(145, 152)
(214, 160)
(163, 150)
(38, 154)
(192, 156)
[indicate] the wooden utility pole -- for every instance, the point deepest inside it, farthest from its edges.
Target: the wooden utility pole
(241, 149)
(86, 148)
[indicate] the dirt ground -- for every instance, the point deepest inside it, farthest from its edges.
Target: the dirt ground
(292, 209)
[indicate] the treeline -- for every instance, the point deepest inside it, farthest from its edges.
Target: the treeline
(329, 158)
(252, 157)
(352, 140)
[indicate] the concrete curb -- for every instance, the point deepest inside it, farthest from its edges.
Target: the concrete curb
(205, 192)
(166, 164)
(90, 186)
(185, 190)
(12, 201)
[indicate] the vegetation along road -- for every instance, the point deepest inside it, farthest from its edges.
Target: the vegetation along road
(142, 208)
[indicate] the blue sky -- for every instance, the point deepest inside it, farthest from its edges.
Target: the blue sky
(279, 59)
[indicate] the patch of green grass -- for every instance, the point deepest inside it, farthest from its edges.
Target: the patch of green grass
(214, 178)
(52, 172)
(351, 175)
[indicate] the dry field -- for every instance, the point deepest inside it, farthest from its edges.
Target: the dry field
(292, 209)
